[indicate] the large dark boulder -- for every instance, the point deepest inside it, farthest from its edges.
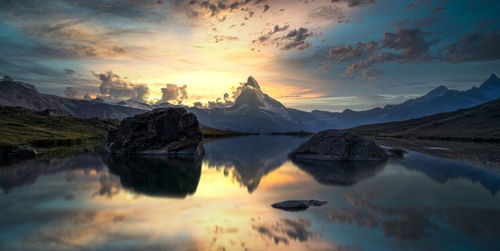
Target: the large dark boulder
(339, 145)
(168, 131)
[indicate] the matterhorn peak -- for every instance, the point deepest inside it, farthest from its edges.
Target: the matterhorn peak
(252, 82)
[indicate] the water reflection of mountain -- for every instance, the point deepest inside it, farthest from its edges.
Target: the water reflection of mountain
(443, 170)
(26, 172)
(250, 158)
(340, 173)
(156, 175)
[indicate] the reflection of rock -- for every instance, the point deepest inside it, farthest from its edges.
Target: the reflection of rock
(156, 175)
(298, 205)
(168, 131)
(26, 172)
(344, 173)
(250, 158)
(338, 146)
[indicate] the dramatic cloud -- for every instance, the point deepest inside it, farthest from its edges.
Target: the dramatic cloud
(371, 74)
(328, 13)
(70, 92)
(173, 92)
(219, 38)
(296, 39)
(402, 46)
(473, 47)
(116, 87)
(214, 8)
(223, 102)
(406, 46)
(266, 36)
(438, 9)
(69, 71)
(354, 3)
(344, 53)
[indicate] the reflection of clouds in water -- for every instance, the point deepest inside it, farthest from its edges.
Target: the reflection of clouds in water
(220, 232)
(75, 230)
(285, 230)
(414, 222)
(110, 186)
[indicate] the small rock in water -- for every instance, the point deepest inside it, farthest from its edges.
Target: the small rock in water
(298, 205)
(22, 152)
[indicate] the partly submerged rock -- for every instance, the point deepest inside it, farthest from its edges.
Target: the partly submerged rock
(167, 131)
(298, 205)
(22, 152)
(339, 145)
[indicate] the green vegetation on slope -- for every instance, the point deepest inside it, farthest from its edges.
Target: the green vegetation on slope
(49, 132)
(209, 132)
(480, 124)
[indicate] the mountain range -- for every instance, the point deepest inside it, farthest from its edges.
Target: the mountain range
(255, 111)
(16, 93)
(479, 123)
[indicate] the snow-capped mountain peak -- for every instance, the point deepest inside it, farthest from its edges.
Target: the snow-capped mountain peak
(252, 96)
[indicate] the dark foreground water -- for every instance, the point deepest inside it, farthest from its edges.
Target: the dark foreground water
(223, 202)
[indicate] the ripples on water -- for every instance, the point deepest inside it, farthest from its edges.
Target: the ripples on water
(223, 202)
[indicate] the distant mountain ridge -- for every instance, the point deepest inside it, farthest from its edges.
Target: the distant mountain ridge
(438, 100)
(15, 93)
(480, 123)
(255, 111)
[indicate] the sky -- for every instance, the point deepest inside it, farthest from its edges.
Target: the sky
(309, 54)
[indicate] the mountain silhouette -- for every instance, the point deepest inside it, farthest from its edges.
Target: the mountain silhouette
(255, 111)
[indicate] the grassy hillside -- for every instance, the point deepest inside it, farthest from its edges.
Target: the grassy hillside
(480, 123)
(62, 134)
(48, 133)
(209, 132)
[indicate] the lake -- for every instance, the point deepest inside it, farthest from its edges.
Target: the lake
(223, 202)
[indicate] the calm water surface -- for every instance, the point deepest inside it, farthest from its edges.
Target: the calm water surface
(223, 202)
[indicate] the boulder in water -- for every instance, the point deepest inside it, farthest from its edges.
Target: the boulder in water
(339, 145)
(298, 205)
